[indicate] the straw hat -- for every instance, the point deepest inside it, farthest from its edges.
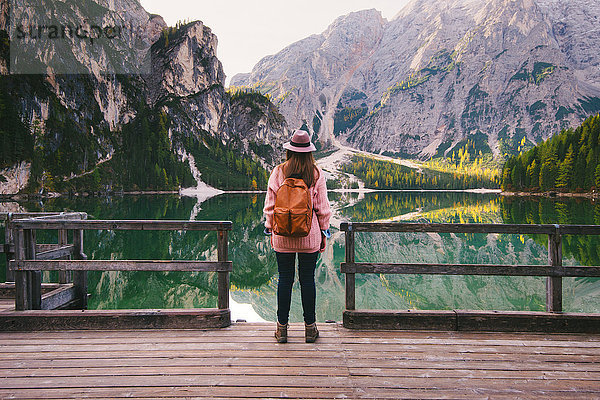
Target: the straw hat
(300, 143)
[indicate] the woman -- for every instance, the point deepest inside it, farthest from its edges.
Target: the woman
(299, 164)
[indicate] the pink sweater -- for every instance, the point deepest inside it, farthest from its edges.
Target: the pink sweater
(322, 211)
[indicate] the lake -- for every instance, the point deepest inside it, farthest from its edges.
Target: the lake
(254, 277)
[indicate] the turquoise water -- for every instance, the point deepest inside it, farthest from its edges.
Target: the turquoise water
(254, 277)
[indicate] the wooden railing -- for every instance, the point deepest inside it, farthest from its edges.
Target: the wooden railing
(8, 247)
(28, 261)
(554, 270)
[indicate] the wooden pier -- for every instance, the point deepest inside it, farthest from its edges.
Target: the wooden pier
(114, 354)
(244, 361)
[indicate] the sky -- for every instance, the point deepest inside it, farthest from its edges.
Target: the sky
(249, 30)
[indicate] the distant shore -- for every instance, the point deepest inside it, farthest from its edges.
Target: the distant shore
(192, 192)
(551, 194)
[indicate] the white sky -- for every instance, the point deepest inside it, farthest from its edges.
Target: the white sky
(249, 30)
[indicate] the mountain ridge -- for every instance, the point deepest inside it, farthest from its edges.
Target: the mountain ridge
(439, 73)
(79, 132)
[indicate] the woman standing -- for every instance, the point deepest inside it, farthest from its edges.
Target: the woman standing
(299, 164)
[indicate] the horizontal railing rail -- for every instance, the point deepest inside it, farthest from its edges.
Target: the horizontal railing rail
(132, 225)
(469, 269)
(529, 229)
(121, 265)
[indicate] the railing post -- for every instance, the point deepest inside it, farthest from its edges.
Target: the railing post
(63, 276)
(35, 277)
(223, 278)
(80, 277)
(350, 282)
(554, 283)
(22, 298)
(8, 240)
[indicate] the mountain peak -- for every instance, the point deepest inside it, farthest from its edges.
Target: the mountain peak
(501, 73)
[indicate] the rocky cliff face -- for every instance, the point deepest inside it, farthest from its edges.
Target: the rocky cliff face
(80, 117)
(503, 73)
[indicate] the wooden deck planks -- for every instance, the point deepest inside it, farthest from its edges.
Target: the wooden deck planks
(7, 304)
(243, 361)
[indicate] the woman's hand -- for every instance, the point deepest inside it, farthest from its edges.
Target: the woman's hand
(325, 234)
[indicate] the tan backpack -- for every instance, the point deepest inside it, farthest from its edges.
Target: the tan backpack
(293, 209)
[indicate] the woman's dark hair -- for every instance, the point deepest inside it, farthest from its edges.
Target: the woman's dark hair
(302, 165)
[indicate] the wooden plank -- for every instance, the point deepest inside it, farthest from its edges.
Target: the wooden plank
(223, 277)
(254, 336)
(554, 284)
(458, 228)
(151, 392)
(579, 229)
(297, 345)
(278, 351)
(350, 280)
(503, 321)
(332, 371)
(140, 225)
(60, 216)
(9, 247)
(524, 337)
(63, 239)
(518, 321)
(265, 330)
(511, 353)
(80, 277)
(177, 380)
(41, 247)
(34, 278)
(17, 215)
(21, 281)
(113, 319)
(212, 362)
(386, 366)
(7, 304)
(21, 215)
(7, 290)
(258, 339)
(527, 385)
(121, 265)
(469, 269)
(59, 297)
(256, 370)
(409, 319)
(279, 381)
(509, 393)
(56, 253)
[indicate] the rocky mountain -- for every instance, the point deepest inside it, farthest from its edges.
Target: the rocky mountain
(503, 74)
(124, 115)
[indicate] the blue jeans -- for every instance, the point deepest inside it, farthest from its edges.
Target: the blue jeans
(286, 263)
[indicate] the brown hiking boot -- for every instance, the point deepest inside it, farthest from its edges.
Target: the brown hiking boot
(311, 333)
(281, 333)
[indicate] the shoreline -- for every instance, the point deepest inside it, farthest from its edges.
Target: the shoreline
(552, 194)
(193, 192)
